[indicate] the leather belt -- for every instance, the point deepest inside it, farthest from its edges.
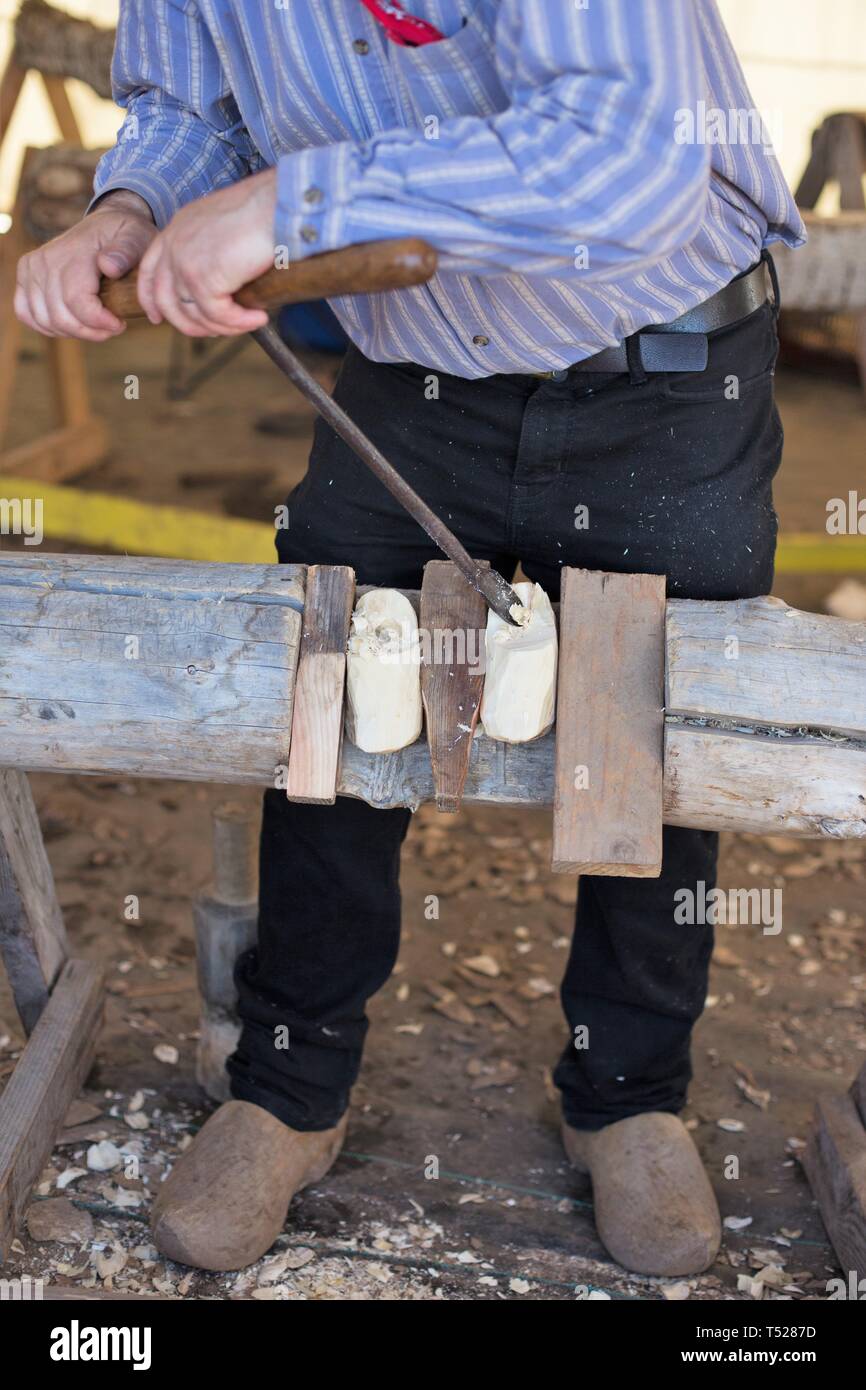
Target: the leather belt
(681, 345)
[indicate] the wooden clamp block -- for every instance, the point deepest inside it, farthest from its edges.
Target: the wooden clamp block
(607, 816)
(317, 718)
(453, 619)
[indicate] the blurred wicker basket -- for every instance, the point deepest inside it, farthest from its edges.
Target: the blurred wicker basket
(56, 187)
(59, 45)
(827, 276)
(823, 285)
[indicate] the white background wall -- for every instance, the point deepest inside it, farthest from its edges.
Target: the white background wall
(803, 59)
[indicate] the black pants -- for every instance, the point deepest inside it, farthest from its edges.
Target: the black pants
(675, 472)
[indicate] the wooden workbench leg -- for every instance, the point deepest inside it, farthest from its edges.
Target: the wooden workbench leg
(32, 935)
(226, 921)
(58, 96)
(47, 1077)
(11, 83)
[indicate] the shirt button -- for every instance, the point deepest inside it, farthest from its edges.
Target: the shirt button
(313, 195)
(361, 46)
(480, 341)
(309, 234)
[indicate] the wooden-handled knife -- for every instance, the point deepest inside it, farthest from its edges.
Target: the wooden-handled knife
(368, 268)
(364, 269)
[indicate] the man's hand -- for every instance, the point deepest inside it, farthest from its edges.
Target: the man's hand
(207, 252)
(58, 285)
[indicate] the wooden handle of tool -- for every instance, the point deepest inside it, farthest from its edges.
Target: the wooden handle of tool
(363, 269)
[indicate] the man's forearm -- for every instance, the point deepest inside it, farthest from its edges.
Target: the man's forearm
(124, 200)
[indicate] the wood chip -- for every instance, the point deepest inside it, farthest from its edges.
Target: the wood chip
(69, 1175)
(754, 1093)
(539, 988)
(509, 1009)
(676, 1293)
(57, 1219)
(737, 1223)
(123, 1197)
(503, 1074)
(104, 1157)
(455, 1010)
(81, 1112)
(108, 1263)
(726, 958)
(520, 1286)
(484, 965)
(299, 1256)
(753, 1287)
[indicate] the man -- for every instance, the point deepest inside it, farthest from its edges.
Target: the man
(560, 158)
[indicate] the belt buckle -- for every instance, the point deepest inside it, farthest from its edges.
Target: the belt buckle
(674, 352)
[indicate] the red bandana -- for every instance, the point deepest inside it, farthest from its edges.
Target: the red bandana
(404, 28)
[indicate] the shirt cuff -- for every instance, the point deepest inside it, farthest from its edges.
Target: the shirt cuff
(156, 192)
(315, 188)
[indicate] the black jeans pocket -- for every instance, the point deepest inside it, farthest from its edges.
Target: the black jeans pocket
(742, 358)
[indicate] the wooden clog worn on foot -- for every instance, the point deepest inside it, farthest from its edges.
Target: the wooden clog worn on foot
(655, 1210)
(225, 1201)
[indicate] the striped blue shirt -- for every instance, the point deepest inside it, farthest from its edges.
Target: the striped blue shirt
(584, 167)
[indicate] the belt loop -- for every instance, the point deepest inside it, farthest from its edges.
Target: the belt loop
(774, 281)
(636, 373)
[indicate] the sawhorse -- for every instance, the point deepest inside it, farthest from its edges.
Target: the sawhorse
(59, 1000)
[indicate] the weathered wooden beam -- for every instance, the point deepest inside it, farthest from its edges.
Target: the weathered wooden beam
(719, 779)
(761, 662)
(209, 697)
(32, 935)
(713, 781)
(47, 1077)
(165, 668)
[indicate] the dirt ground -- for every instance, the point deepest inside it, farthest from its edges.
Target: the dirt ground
(459, 1055)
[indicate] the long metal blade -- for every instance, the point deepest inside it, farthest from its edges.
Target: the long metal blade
(495, 590)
